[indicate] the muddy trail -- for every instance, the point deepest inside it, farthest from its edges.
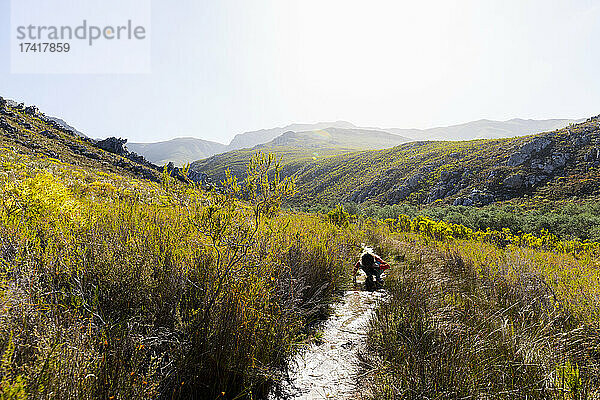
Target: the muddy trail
(329, 369)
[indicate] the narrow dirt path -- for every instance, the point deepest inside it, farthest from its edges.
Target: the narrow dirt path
(328, 370)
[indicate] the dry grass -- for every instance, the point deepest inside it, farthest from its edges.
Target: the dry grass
(458, 329)
(122, 289)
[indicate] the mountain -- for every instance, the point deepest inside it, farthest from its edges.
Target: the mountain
(253, 138)
(485, 129)
(180, 151)
(184, 150)
(554, 165)
(296, 149)
(88, 251)
(353, 138)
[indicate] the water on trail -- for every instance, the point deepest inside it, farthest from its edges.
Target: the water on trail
(329, 369)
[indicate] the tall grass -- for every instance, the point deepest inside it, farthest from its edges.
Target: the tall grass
(459, 328)
(116, 288)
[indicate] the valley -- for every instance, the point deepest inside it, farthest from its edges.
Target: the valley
(121, 278)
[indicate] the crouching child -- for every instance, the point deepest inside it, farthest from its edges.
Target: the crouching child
(373, 266)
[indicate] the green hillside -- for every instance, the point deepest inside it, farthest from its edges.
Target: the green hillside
(29, 131)
(558, 164)
(119, 282)
(254, 138)
(297, 149)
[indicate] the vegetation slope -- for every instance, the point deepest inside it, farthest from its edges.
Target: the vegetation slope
(484, 315)
(297, 149)
(119, 281)
(186, 150)
(554, 165)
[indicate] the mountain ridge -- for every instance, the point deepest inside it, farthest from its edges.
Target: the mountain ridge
(295, 149)
(180, 151)
(554, 165)
(480, 129)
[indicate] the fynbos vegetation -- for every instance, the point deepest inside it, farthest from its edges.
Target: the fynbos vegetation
(119, 282)
(119, 288)
(469, 318)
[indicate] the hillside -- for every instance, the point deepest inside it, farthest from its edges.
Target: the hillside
(118, 281)
(557, 164)
(296, 149)
(27, 130)
(186, 150)
(253, 138)
(180, 151)
(485, 129)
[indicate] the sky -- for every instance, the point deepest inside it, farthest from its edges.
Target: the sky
(223, 67)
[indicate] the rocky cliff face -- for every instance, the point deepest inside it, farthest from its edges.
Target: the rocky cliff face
(567, 155)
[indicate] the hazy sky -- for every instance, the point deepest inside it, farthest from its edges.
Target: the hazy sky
(222, 67)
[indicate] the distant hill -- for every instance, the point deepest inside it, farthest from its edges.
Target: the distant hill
(295, 149)
(485, 129)
(353, 138)
(65, 125)
(553, 165)
(180, 151)
(253, 138)
(184, 150)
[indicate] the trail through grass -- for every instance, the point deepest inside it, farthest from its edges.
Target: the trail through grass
(328, 368)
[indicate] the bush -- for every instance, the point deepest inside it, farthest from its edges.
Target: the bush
(456, 328)
(113, 287)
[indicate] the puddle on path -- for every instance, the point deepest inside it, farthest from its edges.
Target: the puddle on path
(328, 370)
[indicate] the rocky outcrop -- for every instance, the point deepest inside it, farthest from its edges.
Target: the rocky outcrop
(145, 173)
(31, 110)
(193, 176)
(199, 177)
(475, 198)
(8, 128)
(402, 191)
(514, 182)
(449, 183)
(49, 134)
(76, 148)
(528, 150)
(550, 164)
(26, 125)
(117, 146)
(113, 145)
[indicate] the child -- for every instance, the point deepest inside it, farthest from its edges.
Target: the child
(372, 265)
